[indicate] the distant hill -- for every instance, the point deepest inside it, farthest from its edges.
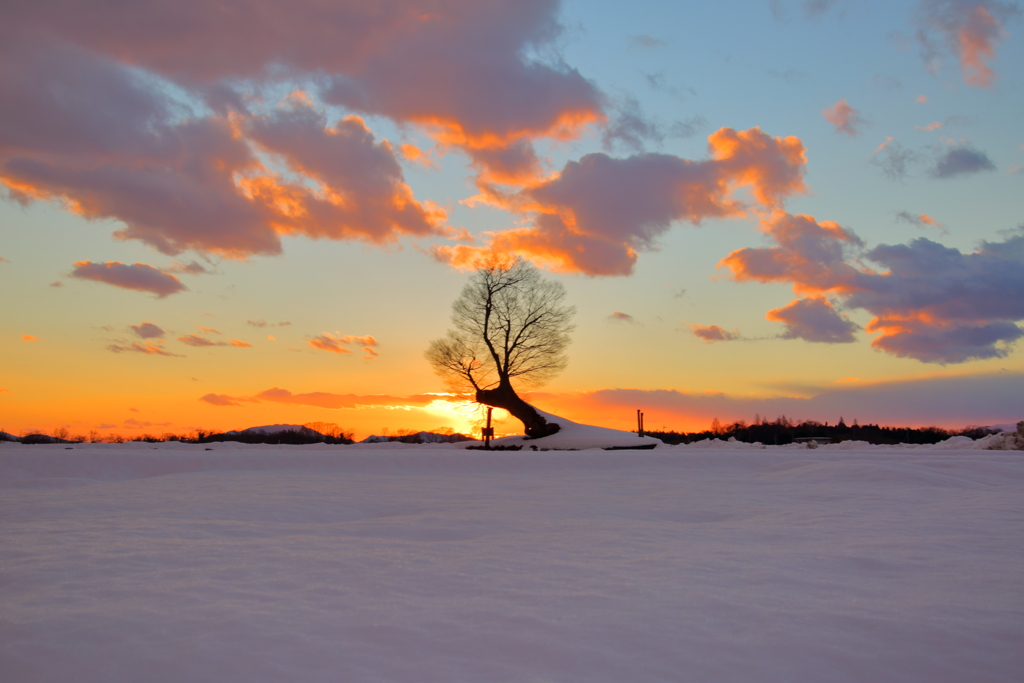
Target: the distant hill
(273, 429)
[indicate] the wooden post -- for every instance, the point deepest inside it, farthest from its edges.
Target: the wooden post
(488, 431)
(639, 423)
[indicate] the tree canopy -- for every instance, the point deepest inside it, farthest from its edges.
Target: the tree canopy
(509, 325)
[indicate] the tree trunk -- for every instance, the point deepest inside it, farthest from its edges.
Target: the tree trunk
(504, 396)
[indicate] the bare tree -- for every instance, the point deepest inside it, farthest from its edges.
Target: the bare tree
(509, 324)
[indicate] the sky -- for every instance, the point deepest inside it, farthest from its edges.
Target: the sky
(261, 212)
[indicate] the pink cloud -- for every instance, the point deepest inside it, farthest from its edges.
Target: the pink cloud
(814, 319)
(929, 302)
(221, 400)
(713, 333)
(967, 29)
(845, 118)
(82, 121)
(597, 213)
(148, 331)
(810, 254)
(140, 277)
(619, 317)
(200, 341)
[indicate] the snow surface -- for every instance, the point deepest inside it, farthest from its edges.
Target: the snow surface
(575, 436)
(428, 563)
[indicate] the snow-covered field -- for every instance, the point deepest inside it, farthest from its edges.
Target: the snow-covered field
(242, 564)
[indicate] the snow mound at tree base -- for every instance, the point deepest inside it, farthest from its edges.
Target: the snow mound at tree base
(575, 436)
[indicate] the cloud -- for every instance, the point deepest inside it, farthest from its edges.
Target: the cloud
(967, 29)
(208, 330)
(199, 341)
(599, 211)
(138, 276)
(196, 340)
(815, 320)
(713, 333)
(948, 121)
(618, 317)
(811, 254)
(921, 220)
(263, 323)
(87, 117)
(893, 158)
(845, 118)
(29, 337)
(929, 302)
(148, 331)
(148, 348)
(222, 400)
(960, 161)
(4, 390)
(3, 260)
(56, 283)
(363, 196)
(630, 127)
(336, 343)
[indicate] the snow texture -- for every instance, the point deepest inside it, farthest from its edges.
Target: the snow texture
(432, 564)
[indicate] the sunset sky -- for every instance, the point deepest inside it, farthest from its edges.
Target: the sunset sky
(221, 215)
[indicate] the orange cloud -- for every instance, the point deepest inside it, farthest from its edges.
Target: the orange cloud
(29, 337)
(920, 220)
(845, 118)
(934, 125)
(597, 213)
(334, 343)
(977, 39)
(810, 254)
(148, 348)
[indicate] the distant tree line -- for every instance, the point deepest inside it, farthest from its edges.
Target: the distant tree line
(311, 432)
(784, 431)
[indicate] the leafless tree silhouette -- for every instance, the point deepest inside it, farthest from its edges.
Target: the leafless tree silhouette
(509, 325)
